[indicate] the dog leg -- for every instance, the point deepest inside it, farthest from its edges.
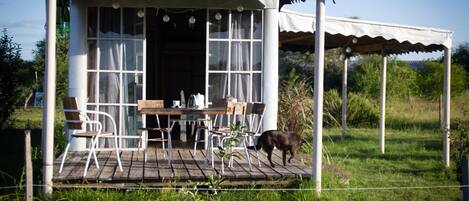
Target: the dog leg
(269, 156)
(284, 157)
(292, 154)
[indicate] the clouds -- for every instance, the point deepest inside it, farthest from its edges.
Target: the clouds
(23, 24)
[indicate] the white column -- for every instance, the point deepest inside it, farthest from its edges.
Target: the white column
(318, 91)
(49, 106)
(344, 98)
(77, 62)
(270, 72)
(383, 104)
(446, 106)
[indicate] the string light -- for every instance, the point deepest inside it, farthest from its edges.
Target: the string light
(240, 8)
(140, 13)
(166, 18)
(192, 20)
(348, 50)
(354, 40)
(115, 5)
(218, 16)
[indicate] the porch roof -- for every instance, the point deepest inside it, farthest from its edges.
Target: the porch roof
(232, 4)
(297, 33)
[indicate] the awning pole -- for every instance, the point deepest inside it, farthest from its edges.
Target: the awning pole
(382, 119)
(344, 99)
(446, 105)
(49, 104)
(318, 92)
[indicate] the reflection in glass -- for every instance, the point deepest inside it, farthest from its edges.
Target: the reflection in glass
(92, 51)
(109, 22)
(92, 87)
(133, 55)
(109, 55)
(240, 57)
(133, 87)
(218, 28)
(239, 86)
(217, 86)
(241, 24)
(92, 22)
(257, 26)
(132, 121)
(109, 87)
(218, 55)
(132, 24)
(257, 56)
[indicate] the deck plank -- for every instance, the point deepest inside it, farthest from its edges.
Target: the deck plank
(265, 166)
(109, 168)
(136, 170)
(294, 167)
(228, 173)
(204, 166)
(78, 170)
(165, 171)
(72, 161)
(255, 173)
(180, 171)
(93, 173)
(126, 160)
(191, 165)
(150, 170)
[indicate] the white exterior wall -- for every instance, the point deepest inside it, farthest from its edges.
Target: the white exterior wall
(77, 83)
(270, 73)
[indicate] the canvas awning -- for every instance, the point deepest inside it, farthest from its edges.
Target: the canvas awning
(296, 34)
(232, 4)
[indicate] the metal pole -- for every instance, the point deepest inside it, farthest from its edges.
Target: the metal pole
(446, 105)
(382, 119)
(28, 165)
(344, 99)
(318, 92)
(270, 69)
(49, 106)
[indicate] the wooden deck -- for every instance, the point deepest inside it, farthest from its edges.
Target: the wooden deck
(185, 169)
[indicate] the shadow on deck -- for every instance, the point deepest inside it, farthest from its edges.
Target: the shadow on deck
(185, 169)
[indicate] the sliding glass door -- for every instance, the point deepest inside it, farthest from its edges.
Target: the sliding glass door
(116, 67)
(234, 55)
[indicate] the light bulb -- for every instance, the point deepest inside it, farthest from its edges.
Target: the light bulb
(166, 18)
(192, 20)
(115, 5)
(140, 13)
(342, 57)
(218, 16)
(354, 40)
(240, 8)
(348, 49)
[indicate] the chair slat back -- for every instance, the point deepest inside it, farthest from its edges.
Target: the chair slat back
(150, 104)
(258, 108)
(72, 118)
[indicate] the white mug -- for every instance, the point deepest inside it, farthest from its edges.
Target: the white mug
(176, 103)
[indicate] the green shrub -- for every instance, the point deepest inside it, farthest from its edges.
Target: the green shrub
(361, 111)
(431, 79)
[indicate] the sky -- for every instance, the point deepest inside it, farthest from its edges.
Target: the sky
(25, 19)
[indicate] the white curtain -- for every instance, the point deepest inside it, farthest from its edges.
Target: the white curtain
(240, 55)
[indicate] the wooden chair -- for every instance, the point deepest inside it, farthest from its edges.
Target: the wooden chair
(156, 104)
(83, 127)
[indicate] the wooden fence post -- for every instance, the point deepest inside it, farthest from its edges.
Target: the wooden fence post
(29, 166)
(465, 178)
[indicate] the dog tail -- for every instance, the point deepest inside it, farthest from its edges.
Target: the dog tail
(257, 147)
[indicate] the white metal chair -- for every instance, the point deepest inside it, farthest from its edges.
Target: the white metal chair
(78, 120)
(144, 140)
(255, 113)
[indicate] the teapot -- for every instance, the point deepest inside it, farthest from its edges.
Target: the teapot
(196, 101)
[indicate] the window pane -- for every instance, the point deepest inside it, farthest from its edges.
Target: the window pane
(257, 26)
(132, 121)
(257, 56)
(133, 25)
(241, 24)
(108, 125)
(109, 23)
(240, 56)
(133, 55)
(92, 51)
(92, 87)
(92, 116)
(218, 55)
(92, 22)
(257, 87)
(109, 87)
(109, 51)
(217, 86)
(218, 27)
(239, 86)
(133, 87)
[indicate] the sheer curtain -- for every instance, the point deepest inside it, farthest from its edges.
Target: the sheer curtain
(240, 55)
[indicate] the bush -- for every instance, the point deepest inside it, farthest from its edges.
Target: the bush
(431, 79)
(460, 142)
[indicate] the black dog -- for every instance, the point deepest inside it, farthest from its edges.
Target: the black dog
(283, 140)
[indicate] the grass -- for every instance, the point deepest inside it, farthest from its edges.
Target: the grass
(413, 158)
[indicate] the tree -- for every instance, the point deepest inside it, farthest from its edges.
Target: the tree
(461, 56)
(27, 74)
(10, 60)
(431, 79)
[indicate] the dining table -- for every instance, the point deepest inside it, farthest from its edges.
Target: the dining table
(183, 112)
